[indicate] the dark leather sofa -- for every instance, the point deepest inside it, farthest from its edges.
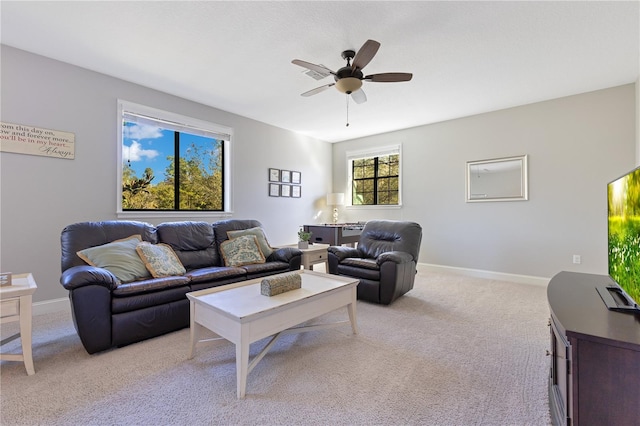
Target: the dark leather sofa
(385, 259)
(109, 314)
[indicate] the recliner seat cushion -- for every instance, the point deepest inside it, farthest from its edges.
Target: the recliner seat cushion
(361, 262)
(357, 272)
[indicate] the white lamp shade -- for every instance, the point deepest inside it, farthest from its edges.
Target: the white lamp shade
(335, 199)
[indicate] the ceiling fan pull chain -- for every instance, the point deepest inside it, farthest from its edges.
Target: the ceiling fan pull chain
(347, 97)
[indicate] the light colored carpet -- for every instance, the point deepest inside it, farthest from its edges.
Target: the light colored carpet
(453, 351)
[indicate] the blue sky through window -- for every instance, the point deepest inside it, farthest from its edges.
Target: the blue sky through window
(145, 146)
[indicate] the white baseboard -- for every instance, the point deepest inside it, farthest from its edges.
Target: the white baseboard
(50, 306)
(478, 273)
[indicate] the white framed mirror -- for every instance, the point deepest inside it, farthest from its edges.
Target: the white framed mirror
(498, 179)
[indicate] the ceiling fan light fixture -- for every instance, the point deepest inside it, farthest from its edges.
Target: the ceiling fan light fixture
(348, 84)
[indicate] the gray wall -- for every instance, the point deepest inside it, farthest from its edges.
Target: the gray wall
(575, 145)
(40, 195)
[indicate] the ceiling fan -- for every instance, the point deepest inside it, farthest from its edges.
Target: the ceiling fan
(349, 78)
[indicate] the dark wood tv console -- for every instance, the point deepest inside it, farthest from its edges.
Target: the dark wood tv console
(595, 355)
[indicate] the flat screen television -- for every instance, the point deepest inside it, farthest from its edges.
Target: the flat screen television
(623, 230)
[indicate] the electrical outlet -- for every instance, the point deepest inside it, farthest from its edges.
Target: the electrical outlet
(576, 259)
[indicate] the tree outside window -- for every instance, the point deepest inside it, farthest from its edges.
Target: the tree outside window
(151, 149)
(375, 180)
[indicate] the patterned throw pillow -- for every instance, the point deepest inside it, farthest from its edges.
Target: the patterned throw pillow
(118, 257)
(241, 251)
(265, 248)
(160, 259)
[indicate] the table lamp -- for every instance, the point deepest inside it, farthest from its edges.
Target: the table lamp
(335, 199)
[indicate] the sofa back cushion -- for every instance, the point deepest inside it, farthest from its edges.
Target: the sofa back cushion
(82, 235)
(193, 243)
(380, 236)
(222, 227)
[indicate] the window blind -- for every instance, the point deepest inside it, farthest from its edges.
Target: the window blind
(375, 152)
(175, 126)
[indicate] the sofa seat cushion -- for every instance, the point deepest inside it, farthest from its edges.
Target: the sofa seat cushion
(358, 272)
(148, 299)
(153, 284)
(360, 263)
(215, 273)
(260, 269)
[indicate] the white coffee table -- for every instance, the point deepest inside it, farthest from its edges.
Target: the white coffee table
(241, 315)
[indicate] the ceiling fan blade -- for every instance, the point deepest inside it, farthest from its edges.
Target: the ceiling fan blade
(389, 77)
(318, 68)
(317, 90)
(365, 54)
(359, 97)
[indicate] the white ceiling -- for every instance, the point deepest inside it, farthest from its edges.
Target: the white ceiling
(466, 57)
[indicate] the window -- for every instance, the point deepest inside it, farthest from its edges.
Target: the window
(375, 177)
(171, 163)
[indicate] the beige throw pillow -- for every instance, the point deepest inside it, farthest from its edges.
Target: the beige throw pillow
(241, 251)
(118, 257)
(160, 259)
(265, 248)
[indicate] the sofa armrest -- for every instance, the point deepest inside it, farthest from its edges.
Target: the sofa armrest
(284, 254)
(85, 275)
(394, 256)
(343, 252)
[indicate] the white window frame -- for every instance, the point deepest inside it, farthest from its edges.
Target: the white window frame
(368, 153)
(186, 123)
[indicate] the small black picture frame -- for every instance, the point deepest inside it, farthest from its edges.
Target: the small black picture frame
(274, 175)
(296, 191)
(285, 176)
(274, 190)
(285, 190)
(296, 177)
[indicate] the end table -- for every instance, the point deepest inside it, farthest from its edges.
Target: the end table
(316, 253)
(15, 305)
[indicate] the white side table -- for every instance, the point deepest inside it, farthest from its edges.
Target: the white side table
(316, 253)
(15, 305)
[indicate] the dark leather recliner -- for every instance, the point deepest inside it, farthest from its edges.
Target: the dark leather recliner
(384, 260)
